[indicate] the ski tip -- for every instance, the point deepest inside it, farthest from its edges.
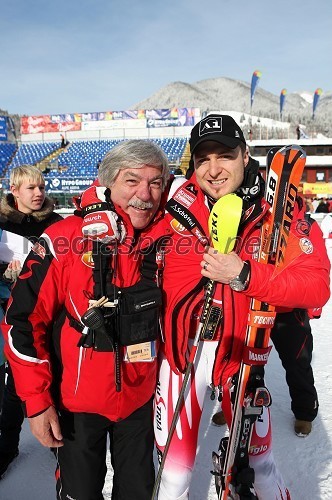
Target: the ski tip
(292, 149)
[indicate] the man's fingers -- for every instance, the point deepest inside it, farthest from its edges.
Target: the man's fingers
(56, 430)
(46, 428)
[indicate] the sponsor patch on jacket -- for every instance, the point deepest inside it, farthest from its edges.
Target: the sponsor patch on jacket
(192, 189)
(306, 245)
(39, 250)
(87, 259)
(303, 227)
(184, 197)
(179, 228)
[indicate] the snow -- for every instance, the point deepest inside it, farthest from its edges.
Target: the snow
(306, 464)
(306, 96)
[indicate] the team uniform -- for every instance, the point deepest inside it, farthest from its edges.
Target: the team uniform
(217, 361)
(97, 393)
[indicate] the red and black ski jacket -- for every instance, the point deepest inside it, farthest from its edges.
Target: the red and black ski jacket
(302, 282)
(42, 341)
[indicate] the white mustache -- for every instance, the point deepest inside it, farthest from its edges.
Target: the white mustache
(140, 204)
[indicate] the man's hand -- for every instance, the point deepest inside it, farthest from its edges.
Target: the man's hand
(13, 270)
(221, 267)
(46, 428)
(99, 222)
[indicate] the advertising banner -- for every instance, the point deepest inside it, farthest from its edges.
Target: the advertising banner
(322, 188)
(283, 94)
(3, 128)
(173, 117)
(41, 124)
(254, 82)
(60, 184)
(317, 94)
(112, 124)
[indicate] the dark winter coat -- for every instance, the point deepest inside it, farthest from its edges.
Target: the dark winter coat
(28, 225)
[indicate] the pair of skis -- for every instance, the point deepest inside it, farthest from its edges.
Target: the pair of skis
(233, 475)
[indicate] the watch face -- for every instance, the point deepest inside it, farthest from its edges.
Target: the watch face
(237, 285)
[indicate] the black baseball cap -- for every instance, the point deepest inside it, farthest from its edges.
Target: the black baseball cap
(218, 128)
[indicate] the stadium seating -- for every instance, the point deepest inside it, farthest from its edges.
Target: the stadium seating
(7, 150)
(80, 159)
(31, 154)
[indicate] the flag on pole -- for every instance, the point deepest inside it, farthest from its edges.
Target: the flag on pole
(254, 82)
(317, 95)
(282, 100)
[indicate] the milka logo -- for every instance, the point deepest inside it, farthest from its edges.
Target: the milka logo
(183, 214)
(264, 320)
(253, 356)
(210, 125)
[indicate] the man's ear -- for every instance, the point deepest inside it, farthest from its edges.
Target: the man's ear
(191, 169)
(246, 157)
(13, 190)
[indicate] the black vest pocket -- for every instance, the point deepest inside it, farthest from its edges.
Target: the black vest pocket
(139, 315)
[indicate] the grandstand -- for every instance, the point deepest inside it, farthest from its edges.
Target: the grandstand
(69, 170)
(7, 152)
(79, 159)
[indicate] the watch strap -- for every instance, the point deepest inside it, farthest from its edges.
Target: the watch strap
(243, 276)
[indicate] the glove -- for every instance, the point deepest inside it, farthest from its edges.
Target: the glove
(13, 270)
(100, 222)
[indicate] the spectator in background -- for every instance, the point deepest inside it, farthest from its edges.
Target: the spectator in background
(298, 132)
(64, 141)
(323, 207)
(315, 203)
(329, 202)
(70, 203)
(25, 212)
(56, 203)
(309, 205)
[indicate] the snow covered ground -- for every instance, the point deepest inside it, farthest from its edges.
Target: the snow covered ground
(306, 464)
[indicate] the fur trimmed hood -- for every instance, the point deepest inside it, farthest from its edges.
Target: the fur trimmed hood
(8, 211)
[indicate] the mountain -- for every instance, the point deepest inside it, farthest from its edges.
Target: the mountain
(227, 94)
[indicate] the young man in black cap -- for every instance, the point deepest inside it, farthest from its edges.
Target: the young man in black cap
(219, 160)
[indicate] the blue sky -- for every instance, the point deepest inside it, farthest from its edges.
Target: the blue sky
(99, 55)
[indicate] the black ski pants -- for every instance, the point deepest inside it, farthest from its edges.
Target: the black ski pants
(292, 338)
(12, 416)
(82, 467)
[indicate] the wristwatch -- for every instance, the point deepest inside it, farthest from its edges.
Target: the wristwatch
(240, 282)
